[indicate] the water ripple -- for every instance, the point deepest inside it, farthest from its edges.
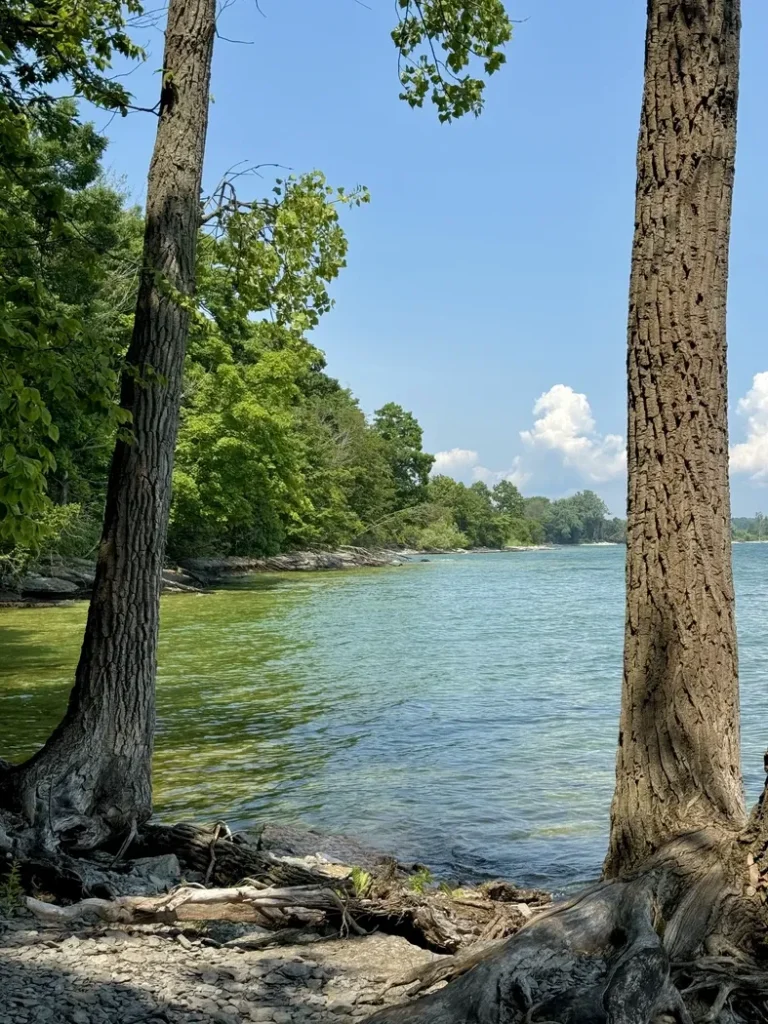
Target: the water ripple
(461, 712)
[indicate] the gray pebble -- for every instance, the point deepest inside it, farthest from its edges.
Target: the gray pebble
(297, 970)
(276, 979)
(341, 1004)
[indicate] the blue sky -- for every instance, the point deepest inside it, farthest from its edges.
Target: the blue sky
(491, 267)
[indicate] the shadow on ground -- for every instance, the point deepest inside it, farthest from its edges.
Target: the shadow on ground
(117, 978)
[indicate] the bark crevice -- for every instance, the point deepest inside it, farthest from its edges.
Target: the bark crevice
(93, 776)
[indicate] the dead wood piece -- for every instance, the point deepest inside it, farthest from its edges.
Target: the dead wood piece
(126, 844)
(222, 857)
(501, 891)
(212, 863)
(264, 937)
(276, 905)
(605, 956)
(428, 975)
(282, 937)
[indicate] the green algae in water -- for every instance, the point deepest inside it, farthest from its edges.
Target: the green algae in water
(462, 712)
(227, 702)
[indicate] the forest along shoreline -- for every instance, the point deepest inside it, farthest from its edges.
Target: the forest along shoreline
(56, 580)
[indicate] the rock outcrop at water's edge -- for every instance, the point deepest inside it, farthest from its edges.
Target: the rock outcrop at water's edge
(213, 570)
(56, 579)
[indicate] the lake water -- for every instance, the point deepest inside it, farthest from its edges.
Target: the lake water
(461, 711)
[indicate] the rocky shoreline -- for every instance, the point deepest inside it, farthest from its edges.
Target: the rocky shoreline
(198, 972)
(57, 579)
(111, 975)
(228, 963)
(210, 571)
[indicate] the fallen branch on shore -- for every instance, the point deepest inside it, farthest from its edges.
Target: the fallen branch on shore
(283, 895)
(191, 903)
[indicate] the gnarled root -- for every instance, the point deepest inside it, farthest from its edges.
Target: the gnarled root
(624, 952)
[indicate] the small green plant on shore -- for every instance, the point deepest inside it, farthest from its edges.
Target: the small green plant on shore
(419, 881)
(460, 893)
(11, 892)
(361, 881)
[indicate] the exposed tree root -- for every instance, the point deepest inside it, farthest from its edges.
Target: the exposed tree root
(253, 885)
(681, 938)
(624, 952)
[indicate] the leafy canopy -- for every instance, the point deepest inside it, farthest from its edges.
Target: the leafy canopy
(43, 42)
(438, 40)
(68, 250)
(263, 275)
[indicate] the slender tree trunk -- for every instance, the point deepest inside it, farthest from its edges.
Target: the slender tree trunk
(94, 774)
(678, 755)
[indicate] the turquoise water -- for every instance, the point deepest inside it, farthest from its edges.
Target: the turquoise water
(462, 712)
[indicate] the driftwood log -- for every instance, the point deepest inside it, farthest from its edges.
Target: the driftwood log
(215, 853)
(240, 882)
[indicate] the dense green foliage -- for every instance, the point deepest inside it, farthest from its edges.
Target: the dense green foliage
(273, 454)
(59, 326)
(477, 516)
(68, 266)
(67, 275)
(750, 529)
(437, 40)
(582, 518)
(43, 42)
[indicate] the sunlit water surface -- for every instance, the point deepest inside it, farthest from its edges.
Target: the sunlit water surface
(461, 711)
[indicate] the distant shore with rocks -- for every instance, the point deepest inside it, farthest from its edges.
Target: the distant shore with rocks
(70, 579)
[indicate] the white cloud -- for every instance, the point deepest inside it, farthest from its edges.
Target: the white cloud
(516, 475)
(565, 425)
(453, 460)
(463, 462)
(751, 456)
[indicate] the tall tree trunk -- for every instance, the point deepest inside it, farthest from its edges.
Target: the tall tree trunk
(683, 936)
(678, 755)
(94, 774)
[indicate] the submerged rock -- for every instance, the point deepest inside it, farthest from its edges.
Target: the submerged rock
(300, 841)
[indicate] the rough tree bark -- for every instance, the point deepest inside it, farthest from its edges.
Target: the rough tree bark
(678, 754)
(93, 776)
(676, 929)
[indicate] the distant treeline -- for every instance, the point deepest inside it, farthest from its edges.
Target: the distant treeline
(478, 516)
(750, 529)
(272, 453)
